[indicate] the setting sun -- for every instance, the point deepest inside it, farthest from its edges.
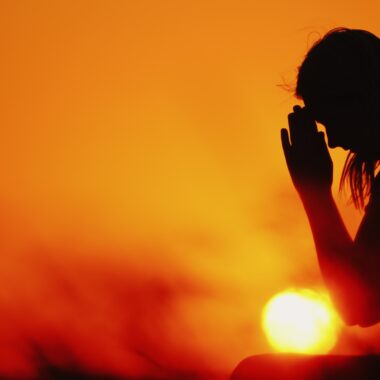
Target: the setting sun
(300, 321)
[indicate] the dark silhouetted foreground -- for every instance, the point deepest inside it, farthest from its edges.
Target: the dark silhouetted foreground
(339, 83)
(307, 367)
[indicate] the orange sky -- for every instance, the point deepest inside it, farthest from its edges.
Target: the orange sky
(147, 210)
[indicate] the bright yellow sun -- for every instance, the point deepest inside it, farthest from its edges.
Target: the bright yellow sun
(301, 321)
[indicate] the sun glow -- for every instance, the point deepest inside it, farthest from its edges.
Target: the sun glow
(301, 321)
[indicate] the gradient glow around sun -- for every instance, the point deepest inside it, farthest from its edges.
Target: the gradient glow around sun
(301, 321)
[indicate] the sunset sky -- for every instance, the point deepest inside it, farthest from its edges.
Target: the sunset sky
(147, 211)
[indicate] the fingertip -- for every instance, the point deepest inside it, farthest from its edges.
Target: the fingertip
(284, 133)
(285, 139)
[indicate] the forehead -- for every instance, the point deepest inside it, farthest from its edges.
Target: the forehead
(330, 88)
(332, 73)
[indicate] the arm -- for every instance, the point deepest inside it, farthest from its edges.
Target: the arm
(348, 267)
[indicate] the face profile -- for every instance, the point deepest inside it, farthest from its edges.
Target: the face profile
(342, 115)
(337, 83)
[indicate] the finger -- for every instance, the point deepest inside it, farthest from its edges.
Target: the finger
(292, 122)
(286, 147)
(297, 108)
(307, 125)
(296, 129)
(310, 123)
(303, 128)
(285, 140)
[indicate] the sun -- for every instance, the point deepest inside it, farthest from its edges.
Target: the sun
(301, 321)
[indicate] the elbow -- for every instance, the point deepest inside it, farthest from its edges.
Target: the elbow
(357, 300)
(368, 320)
(362, 321)
(365, 315)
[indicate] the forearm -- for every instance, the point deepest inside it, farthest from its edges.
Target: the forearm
(331, 237)
(337, 255)
(349, 268)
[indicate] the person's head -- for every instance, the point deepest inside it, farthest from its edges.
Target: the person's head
(339, 82)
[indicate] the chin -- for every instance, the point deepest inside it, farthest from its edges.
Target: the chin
(344, 146)
(341, 143)
(332, 145)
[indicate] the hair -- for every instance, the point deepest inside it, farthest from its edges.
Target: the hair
(362, 48)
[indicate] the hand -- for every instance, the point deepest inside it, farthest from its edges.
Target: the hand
(307, 155)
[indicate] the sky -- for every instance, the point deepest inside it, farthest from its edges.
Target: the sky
(147, 211)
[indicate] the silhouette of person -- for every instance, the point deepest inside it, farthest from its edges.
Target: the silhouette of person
(339, 84)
